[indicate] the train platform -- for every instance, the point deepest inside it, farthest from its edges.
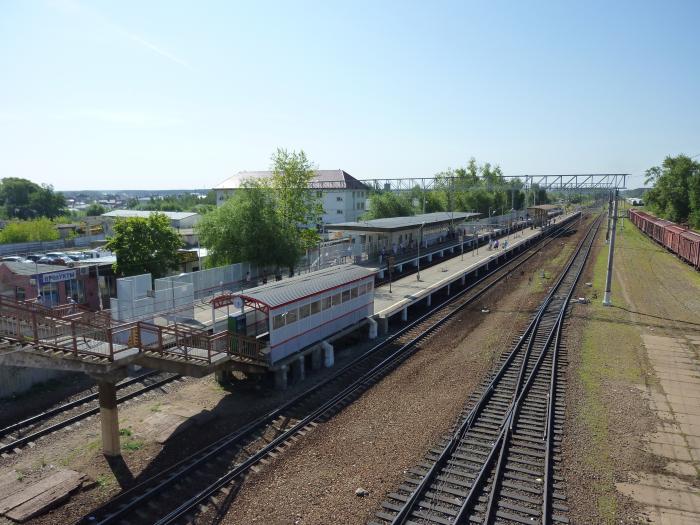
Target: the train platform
(408, 290)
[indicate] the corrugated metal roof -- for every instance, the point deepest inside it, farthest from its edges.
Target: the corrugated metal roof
(399, 223)
(544, 207)
(323, 179)
(19, 268)
(172, 215)
(289, 290)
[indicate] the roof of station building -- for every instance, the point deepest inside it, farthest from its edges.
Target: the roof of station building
(322, 179)
(404, 223)
(296, 288)
(545, 207)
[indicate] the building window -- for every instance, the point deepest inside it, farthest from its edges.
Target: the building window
(336, 299)
(339, 212)
(291, 316)
(370, 284)
(20, 294)
(326, 303)
(353, 293)
(304, 311)
(319, 194)
(315, 307)
(346, 296)
(363, 289)
(339, 199)
(278, 321)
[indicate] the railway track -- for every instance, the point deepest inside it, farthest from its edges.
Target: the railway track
(21, 433)
(166, 497)
(498, 463)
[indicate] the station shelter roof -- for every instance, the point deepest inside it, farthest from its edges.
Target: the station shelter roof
(544, 207)
(391, 224)
(286, 291)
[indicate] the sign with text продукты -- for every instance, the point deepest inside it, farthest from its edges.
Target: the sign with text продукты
(57, 277)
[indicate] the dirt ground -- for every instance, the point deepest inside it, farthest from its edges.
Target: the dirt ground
(633, 427)
(371, 443)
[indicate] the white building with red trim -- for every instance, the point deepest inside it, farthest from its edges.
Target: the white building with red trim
(304, 310)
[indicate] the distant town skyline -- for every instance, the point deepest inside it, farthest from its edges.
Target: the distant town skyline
(167, 95)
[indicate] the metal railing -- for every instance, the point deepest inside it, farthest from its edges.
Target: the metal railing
(82, 333)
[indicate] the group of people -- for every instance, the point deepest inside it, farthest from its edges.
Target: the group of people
(493, 244)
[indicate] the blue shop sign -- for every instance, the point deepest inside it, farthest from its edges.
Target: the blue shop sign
(57, 277)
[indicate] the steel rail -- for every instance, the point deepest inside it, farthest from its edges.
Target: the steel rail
(67, 406)
(82, 415)
(454, 442)
(151, 487)
(502, 443)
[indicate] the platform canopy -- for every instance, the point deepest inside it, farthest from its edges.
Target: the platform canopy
(392, 224)
(286, 291)
(545, 207)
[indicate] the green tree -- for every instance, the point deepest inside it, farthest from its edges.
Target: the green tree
(387, 204)
(676, 192)
(247, 227)
(145, 246)
(292, 173)
(29, 231)
(95, 210)
(297, 207)
(24, 199)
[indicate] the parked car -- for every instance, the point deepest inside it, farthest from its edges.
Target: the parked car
(34, 257)
(14, 258)
(53, 258)
(76, 256)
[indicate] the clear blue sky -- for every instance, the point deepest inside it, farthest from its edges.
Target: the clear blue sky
(163, 94)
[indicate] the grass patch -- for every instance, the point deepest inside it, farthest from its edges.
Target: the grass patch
(132, 445)
(104, 481)
(125, 432)
(87, 449)
(156, 407)
(609, 355)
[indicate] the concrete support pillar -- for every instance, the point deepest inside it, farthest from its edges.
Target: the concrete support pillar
(298, 369)
(109, 418)
(404, 314)
(430, 257)
(328, 355)
(316, 358)
(381, 273)
(416, 262)
(223, 376)
(400, 268)
(442, 253)
(373, 328)
(384, 325)
(448, 289)
(464, 279)
(281, 378)
(429, 300)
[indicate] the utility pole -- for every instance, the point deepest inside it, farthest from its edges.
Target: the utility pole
(610, 215)
(611, 251)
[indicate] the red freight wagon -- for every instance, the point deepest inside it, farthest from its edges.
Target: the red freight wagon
(657, 229)
(672, 235)
(689, 247)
